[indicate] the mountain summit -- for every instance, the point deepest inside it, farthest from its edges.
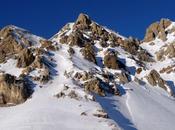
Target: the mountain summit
(87, 77)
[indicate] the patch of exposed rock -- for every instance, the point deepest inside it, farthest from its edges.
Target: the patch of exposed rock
(48, 45)
(157, 29)
(73, 94)
(82, 22)
(25, 58)
(8, 47)
(143, 55)
(155, 79)
(95, 86)
(110, 60)
(123, 78)
(168, 50)
(89, 52)
(131, 45)
(75, 38)
(13, 90)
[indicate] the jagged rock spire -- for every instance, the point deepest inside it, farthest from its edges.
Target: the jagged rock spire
(83, 19)
(157, 29)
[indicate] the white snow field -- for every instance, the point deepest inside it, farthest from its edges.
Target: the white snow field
(139, 108)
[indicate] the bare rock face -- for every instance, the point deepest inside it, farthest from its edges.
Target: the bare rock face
(154, 79)
(82, 22)
(76, 38)
(96, 29)
(131, 45)
(101, 113)
(13, 90)
(37, 63)
(110, 60)
(94, 85)
(168, 50)
(25, 58)
(123, 78)
(48, 45)
(89, 53)
(157, 29)
(71, 51)
(8, 48)
(5, 32)
(144, 56)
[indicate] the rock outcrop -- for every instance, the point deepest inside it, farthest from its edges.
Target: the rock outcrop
(157, 29)
(94, 86)
(89, 52)
(110, 60)
(155, 79)
(25, 58)
(82, 22)
(166, 51)
(13, 90)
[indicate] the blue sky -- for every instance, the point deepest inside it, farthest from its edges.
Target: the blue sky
(46, 17)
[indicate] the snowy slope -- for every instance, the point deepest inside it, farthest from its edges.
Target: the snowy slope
(140, 106)
(150, 109)
(43, 111)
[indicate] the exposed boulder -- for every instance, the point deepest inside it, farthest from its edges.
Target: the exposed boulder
(101, 114)
(131, 45)
(88, 52)
(13, 90)
(155, 79)
(48, 45)
(94, 85)
(71, 51)
(110, 60)
(123, 77)
(144, 56)
(139, 70)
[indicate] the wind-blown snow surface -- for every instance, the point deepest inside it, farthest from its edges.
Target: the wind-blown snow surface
(46, 112)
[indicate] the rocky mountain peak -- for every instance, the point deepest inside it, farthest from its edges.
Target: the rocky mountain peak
(83, 19)
(88, 67)
(157, 29)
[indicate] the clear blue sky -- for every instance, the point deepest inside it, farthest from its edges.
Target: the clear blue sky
(46, 17)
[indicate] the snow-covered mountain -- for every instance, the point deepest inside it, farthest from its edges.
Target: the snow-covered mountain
(87, 77)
